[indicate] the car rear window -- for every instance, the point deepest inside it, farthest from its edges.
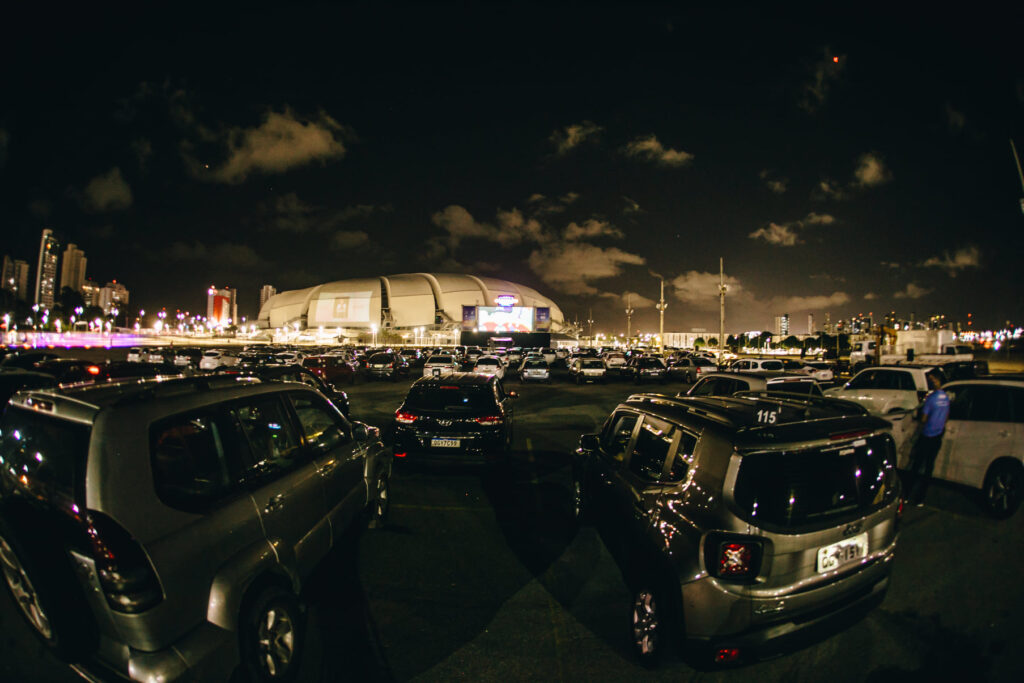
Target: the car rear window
(381, 358)
(452, 398)
(44, 451)
(815, 487)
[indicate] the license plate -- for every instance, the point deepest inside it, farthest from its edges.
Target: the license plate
(833, 556)
(444, 443)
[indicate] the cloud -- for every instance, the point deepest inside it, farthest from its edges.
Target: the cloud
(571, 267)
(571, 137)
(349, 239)
(830, 189)
(700, 290)
(773, 233)
(961, 259)
(650, 149)
(785, 234)
(870, 296)
(280, 143)
(629, 298)
(955, 120)
(776, 185)
(809, 303)
(891, 265)
(824, 73)
(912, 291)
(107, 192)
(871, 171)
(460, 225)
(591, 228)
(535, 197)
(631, 206)
(225, 254)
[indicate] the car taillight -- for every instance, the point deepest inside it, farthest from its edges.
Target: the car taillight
(725, 655)
(93, 370)
(405, 418)
(490, 420)
(733, 557)
(129, 583)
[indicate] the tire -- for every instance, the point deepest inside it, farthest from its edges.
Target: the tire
(272, 635)
(380, 507)
(1003, 488)
(42, 585)
(647, 625)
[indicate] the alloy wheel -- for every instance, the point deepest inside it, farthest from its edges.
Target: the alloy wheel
(645, 624)
(1003, 490)
(276, 639)
(24, 592)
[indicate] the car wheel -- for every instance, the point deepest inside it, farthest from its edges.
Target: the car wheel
(647, 625)
(42, 585)
(381, 503)
(1003, 485)
(272, 635)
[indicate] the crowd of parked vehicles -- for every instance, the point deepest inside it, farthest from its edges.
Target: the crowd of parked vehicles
(764, 496)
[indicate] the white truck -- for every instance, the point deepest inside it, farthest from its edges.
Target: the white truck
(918, 346)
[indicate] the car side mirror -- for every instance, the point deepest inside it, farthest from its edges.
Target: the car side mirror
(360, 432)
(589, 442)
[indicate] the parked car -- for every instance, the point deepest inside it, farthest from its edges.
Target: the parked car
(740, 522)
(333, 370)
(26, 359)
(729, 383)
(294, 373)
(534, 370)
(888, 388)
(134, 355)
(13, 380)
(586, 369)
(440, 365)
(187, 357)
(684, 368)
(215, 358)
(823, 372)
(615, 360)
(387, 365)
(489, 365)
(158, 355)
(754, 364)
(983, 445)
(649, 369)
(464, 418)
(164, 530)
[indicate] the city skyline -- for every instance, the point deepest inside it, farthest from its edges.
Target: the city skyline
(838, 166)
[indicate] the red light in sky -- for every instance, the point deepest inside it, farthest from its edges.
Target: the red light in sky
(835, 60)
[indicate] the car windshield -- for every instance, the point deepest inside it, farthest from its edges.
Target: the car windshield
(381, 358)
(450, 398)
(809, 487)
(536, 364)
(592, 364)
(446, 360)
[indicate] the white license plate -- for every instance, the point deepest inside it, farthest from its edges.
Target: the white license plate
(833, 556)
(444, 443)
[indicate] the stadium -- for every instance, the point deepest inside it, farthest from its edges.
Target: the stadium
(431, 307)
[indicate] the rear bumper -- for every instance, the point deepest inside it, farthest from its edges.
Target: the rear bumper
(472, 448)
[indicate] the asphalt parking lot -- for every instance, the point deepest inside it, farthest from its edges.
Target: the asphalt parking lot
(479, 575)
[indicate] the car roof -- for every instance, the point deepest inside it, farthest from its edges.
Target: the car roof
(765, 375)
(1009, 380)
(456, 378)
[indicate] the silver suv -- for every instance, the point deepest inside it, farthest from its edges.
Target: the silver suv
(741, 522)
(162, 530)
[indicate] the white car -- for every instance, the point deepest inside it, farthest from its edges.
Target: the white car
(983, 446)
(588, 370)
(534, 370)
(886, 389)
(615, 360)
(440, 365)
(215, 358)
(823, 372)
(756, 364)
(489, 365)
(134, 355)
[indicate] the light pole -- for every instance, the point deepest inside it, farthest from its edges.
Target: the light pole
(590, 324)
(629, 317)
(721, 313)
(661, 321)
(373, 328)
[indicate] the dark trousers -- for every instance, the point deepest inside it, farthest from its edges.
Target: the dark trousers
(922, 462)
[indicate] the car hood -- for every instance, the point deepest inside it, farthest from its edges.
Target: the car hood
(878, 401)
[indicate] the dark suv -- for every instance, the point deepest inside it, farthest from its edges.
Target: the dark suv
(462, 418)
(163, 529)
(739, 522)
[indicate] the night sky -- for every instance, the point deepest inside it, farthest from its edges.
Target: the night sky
(840, 163)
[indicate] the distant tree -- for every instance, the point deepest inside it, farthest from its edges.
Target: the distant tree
(791, 342)
(92, 312)
(699, 342)
(732, 342)
(712, 341)
(69, 299)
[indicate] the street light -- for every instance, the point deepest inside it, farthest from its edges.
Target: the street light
(629, 316)
(661, 312)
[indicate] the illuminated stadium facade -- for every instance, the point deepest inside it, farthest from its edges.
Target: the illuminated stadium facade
(435, 307)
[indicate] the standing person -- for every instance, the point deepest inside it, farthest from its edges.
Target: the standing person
(934, 413)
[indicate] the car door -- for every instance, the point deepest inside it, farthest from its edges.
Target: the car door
(980, 429)
(507, 406)
(283, 481)
(603, 469)
(340, 459)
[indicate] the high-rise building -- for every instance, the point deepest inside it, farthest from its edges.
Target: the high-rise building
(810, 323)
(46, 271)
(15, 277)
(221, 307)
(91, 293)
(782, 325)
(266, 291)
(113, 296)
(72, 268)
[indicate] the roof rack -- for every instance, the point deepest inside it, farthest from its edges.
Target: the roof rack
(691, 405)
(802, 400)
(178, 386)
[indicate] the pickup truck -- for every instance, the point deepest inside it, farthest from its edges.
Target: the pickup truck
(863, 353)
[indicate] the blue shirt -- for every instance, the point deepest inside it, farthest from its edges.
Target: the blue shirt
(936, 412)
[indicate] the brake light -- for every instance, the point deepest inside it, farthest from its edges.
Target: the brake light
(404, 417)
(93, 370)
(128, 580)
(400, 454)
(725, 655)
(490, 420)
(733, 557)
